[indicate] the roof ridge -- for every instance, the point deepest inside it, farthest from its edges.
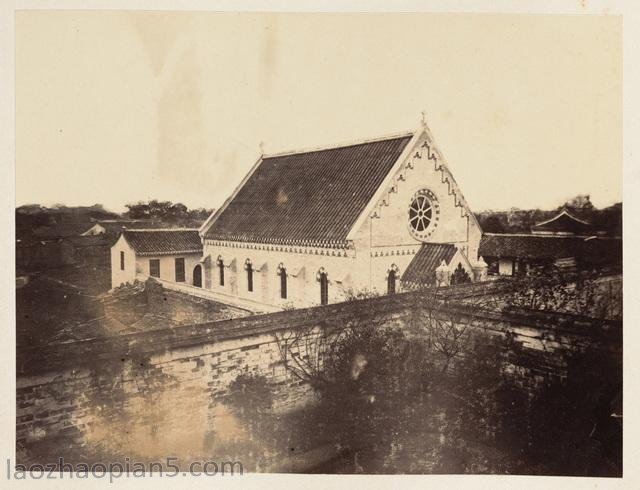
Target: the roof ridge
(159, 229)
(343, 144)
(566, 212)
(125, 220)
(533, 235)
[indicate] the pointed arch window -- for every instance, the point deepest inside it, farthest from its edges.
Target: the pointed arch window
(248, 266)
(220, 264)
(323, 279)
(282, 272)
(392, 276)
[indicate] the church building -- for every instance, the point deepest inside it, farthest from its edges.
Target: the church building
(324, 225)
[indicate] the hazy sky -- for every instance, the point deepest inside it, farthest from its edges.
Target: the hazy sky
(115, 107)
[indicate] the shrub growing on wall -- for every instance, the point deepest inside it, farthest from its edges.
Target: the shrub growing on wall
(250, 396)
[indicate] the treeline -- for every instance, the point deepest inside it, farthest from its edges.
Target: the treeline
(516, 220)
(32, 216)
(167, 212)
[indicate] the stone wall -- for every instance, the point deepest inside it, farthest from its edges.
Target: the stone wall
(162, 392)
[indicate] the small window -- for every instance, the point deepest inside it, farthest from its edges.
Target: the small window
(283, 282)
(154, 267)
(121, 261)
(492, 265)
(180, 270)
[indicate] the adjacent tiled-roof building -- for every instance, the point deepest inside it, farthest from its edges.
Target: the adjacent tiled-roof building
(114, 227)
(510, 253)
(528, 246)
(168, 254)
(61, 230)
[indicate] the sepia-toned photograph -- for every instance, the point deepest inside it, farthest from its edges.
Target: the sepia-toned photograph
(318, 243)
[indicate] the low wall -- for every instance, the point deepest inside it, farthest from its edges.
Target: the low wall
(130, 304)
(161, 392)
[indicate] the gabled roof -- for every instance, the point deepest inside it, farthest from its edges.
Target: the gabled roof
(163, 242)
(310, 198)
(563, 222)
(422, 269)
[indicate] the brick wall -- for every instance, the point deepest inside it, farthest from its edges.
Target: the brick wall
(161, 392)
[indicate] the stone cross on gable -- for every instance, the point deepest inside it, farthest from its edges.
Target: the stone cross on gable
(423, 119)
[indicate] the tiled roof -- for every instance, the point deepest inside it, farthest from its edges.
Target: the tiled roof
(61, 230)
(529, 246)
(422, 269)
(163, 242)
(311, 198)
(88, 241)
(593, 251)
(116, 226)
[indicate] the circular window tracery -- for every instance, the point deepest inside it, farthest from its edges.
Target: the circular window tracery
(423, 213)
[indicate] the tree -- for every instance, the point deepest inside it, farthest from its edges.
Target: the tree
(493, 224)
(460, 276)
(172, 213)
(550, 289)
(443, 396)
(251, 397)
(580, 203)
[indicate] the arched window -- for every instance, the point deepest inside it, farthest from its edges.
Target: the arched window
(221, 270)
(282, 272)
(197, 276)
(392, 275)
(324, 286)
(248, 266)
(391, 282)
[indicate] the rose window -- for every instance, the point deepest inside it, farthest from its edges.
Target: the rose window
(423, 213)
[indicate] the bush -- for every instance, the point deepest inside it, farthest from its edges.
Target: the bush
(250, 396)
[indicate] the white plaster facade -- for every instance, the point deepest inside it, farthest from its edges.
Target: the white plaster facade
(380, 241)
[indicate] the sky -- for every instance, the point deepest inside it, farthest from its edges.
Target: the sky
(115, 107)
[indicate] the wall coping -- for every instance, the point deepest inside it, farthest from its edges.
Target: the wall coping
(86, 353)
